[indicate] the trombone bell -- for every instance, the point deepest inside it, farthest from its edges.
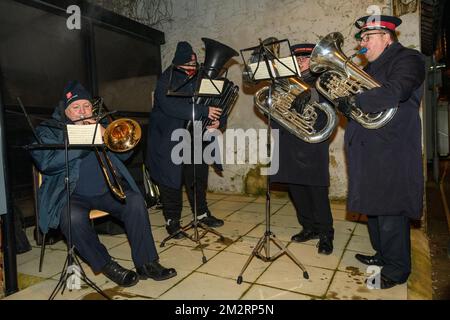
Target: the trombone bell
(122, 135)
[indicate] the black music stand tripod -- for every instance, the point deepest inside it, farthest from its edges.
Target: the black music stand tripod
(69, 273)
(195, 224)
(262, 248)
(72, 270)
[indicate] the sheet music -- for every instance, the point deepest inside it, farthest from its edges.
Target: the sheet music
(283, 71)
(277, 68)
(207, 87)
(84, 134)
(260, 71)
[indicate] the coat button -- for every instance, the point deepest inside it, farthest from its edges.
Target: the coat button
(362, 143)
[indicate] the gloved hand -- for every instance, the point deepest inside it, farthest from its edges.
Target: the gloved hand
(301, 101)
(345, 105)
(325, 78)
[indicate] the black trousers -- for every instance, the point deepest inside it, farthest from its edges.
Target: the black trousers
(201, 175)
(172, 199)
(172, 202)
(313, 208)
(390, 237)
(133, 213)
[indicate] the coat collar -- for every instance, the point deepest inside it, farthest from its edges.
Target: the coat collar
(386, 56)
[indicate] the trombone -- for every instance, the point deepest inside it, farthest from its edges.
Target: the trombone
(121, 135)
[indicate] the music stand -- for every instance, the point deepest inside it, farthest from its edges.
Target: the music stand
(204, 87)
(72, 269)
(273, 68)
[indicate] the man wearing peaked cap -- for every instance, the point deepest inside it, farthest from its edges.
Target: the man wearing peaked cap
(377, 22)
(303, 49)
(385, 164)
(304, 167)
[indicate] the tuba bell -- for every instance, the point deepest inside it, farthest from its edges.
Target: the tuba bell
(216, 56)
(342, 77)
(300, 124)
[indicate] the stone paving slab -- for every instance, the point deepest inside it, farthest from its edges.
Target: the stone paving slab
(337, 276)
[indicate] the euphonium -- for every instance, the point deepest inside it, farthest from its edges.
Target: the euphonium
(345, 78)
(283, 95)
(299, 124)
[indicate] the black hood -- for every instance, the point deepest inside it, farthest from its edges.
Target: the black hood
(59, 113)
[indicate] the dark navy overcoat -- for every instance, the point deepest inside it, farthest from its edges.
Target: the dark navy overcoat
(385, 165)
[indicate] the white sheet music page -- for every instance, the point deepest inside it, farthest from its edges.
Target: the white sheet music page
(207, 87)
(83, 134)
(281, 69)
(259, 70)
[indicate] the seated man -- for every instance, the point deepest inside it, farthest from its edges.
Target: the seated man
(89, 190)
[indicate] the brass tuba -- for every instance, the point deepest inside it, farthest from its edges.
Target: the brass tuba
(345, 78)
(216, 57)
(121, 135)
(299, 124)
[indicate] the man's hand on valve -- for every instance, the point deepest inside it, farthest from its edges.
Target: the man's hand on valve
(301, 101)
(345, 105)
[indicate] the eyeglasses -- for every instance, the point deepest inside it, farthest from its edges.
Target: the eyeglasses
(366, 37)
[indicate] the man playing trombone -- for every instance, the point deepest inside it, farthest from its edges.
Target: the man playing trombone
(89, 190)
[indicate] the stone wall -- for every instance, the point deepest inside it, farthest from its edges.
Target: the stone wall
(240, 23)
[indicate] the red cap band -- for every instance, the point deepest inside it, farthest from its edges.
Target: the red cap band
(389, 25)
(300, 50)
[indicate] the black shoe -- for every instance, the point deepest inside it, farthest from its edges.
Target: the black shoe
(385, 283)
(369, 260)
(305, 235)
(123, 277)
(210, 221)
(173, 228)
(325, 245)
(155, 271)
